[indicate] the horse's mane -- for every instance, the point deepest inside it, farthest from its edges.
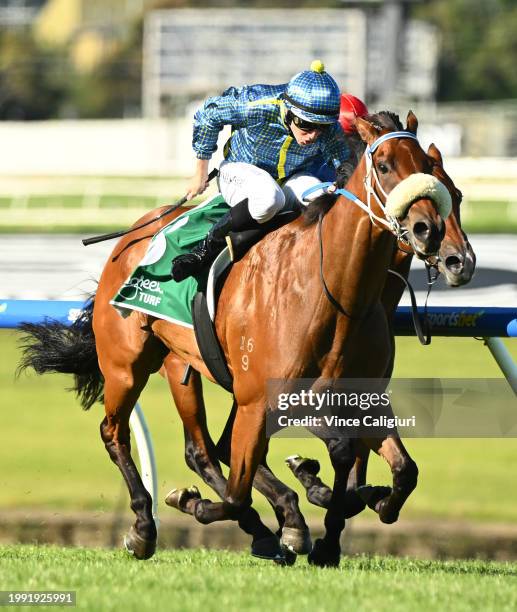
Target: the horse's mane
(323, 203)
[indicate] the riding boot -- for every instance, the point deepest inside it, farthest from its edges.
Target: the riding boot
(237, 218)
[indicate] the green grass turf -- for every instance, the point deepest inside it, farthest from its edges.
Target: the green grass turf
(220, 580)
(53, 456)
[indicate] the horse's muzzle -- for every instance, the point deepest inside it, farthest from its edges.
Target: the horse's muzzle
(457, 266)
(426, 235)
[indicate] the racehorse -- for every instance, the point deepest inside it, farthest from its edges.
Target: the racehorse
(273, 299)
(457, 263)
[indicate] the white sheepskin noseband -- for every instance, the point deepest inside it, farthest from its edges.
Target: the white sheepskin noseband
(415, 187)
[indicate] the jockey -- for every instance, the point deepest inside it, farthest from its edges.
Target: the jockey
(278, 132)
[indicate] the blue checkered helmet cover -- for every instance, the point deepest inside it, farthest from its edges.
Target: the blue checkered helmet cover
(313, 95)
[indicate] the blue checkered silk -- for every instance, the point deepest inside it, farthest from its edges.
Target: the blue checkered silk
(259, 134)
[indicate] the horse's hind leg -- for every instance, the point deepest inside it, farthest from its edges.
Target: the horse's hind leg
(293, 530)
(122, 389)
(200, 455)
(404, 471)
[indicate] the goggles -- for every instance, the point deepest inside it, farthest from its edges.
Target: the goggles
(307, 126)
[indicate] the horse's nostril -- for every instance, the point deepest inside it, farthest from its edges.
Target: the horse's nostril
(454, 264)
(421, 230)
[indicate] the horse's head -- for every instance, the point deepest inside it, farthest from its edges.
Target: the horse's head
(399, 171)
(456, 258)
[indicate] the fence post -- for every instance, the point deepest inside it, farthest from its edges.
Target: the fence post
(504, 360)
(144, 446)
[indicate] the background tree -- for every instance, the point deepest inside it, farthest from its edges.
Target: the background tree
(32, 79)
(478, 50)
(114, 87)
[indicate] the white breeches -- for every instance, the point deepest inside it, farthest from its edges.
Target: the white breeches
(239, 180)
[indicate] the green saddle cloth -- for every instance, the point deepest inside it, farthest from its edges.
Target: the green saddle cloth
(150, 288)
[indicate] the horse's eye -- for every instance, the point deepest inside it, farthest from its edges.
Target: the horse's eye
(383, 168)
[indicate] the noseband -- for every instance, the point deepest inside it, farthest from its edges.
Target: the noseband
(390, 221)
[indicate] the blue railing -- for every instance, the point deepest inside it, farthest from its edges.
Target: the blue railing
(467, 321)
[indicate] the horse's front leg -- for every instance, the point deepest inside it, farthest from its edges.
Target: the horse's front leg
(358, 496)
(201, 457)
(293, 530)
(248, 444)
(327, 551)
(120, 395)
(405, 475)
(200, 453)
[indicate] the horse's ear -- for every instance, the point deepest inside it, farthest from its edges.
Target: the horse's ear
(435, 154)
(366, 130)
(411, 122)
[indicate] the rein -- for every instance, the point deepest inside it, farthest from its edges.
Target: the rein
(422, 327)
(422, 330)
(329, 295)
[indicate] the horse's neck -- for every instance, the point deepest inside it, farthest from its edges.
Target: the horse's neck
(361, 250)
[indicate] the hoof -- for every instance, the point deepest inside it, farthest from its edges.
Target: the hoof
(373, 495)
(179, 498)
(268, 548)
(386, 514)
(138, 546)
(322, 556)
(296, 540)
(289, 557)
(297, 463)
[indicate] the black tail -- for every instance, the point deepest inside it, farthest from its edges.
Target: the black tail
(54, 347)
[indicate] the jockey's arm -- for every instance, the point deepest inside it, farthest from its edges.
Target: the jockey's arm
(228, 109)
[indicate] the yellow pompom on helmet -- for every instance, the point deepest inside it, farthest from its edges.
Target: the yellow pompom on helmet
(313, 95)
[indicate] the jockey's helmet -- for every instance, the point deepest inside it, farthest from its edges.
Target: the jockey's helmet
(313, 95)
(350, 108)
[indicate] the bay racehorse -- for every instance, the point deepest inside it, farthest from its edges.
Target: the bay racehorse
(273, 299)
(456, 261)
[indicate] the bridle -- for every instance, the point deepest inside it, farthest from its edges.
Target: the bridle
(371, 178)
(389, 221)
